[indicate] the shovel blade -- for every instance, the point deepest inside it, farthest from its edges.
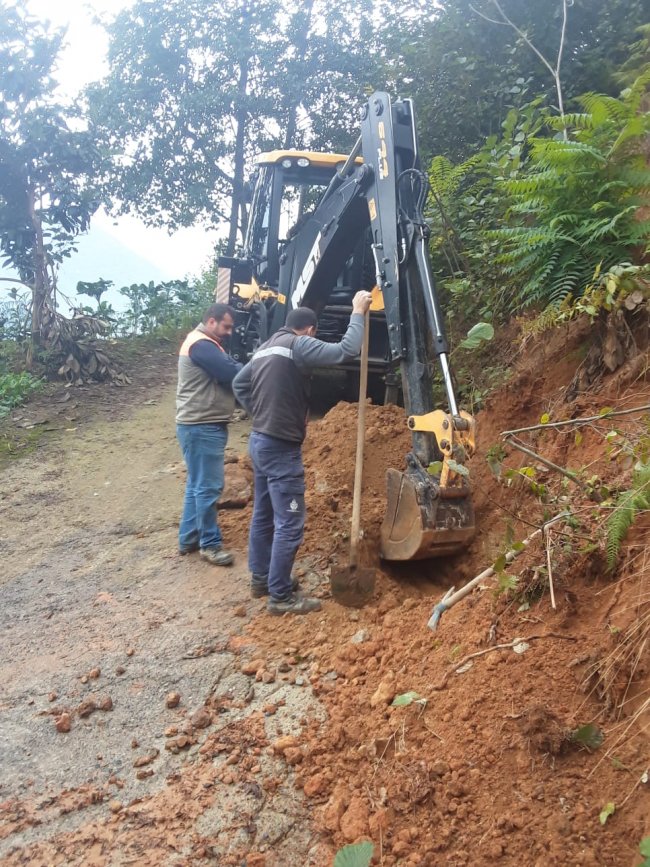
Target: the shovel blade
(352, 586)
(422, 521)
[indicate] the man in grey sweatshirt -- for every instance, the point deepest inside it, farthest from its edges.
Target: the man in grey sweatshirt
(273, 388)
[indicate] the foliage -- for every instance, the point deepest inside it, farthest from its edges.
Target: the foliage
(623, 286)
(197, 89)
(467, 74)
(532, 219)
(608, 810)
(15, 317)
(589, 736)
(466, 204)
(629, 504)
(479, 333)
(49, 161)
(15, 389)
(644, 851)
(407, 698)
(355, 855)
(170, 305)
(575, 205)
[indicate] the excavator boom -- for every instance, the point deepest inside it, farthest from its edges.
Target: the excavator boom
(368, 220)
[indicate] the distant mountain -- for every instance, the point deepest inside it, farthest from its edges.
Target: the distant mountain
(101, 255)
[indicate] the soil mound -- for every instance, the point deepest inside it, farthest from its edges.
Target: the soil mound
(516, 722)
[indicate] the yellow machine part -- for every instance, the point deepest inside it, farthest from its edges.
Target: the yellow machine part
(252, 291)
(426, 517)
(320, 160)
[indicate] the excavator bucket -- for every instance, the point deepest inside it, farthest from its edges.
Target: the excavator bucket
(424, 520)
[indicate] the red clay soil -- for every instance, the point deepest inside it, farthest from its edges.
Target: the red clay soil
(483, 769)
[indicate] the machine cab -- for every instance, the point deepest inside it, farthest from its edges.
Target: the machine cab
(288, 186)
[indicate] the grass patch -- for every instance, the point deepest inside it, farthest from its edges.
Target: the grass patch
(16, 389)
(15, 445)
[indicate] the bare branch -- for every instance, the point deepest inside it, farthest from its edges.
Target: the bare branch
(12, 280)
(554, 70)
(521, 33)
(487, 18)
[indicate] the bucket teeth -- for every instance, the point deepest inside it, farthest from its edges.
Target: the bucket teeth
(422, 520)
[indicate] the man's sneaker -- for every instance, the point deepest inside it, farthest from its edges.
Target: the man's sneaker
(217, 556)
(260, 586)
(293, 605)
(190, 549)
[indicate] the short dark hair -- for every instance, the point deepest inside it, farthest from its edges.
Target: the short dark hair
(302, 318)
(218, 311)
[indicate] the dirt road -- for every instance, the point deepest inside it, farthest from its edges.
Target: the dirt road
(286, 743)
(97, 607)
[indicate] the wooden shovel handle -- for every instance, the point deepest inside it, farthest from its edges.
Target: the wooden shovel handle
(361, 433)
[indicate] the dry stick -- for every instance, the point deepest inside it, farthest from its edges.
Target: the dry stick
(602, 417)
(450, 598)
(547, 533)
(571, 476)
(507, 646)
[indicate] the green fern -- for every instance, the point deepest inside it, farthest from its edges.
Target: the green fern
(575, 201)
(629, 504)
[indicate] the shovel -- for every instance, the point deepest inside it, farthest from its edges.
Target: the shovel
(354, 585)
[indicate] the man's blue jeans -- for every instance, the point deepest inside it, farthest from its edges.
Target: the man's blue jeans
(203, 446)
(278, 512)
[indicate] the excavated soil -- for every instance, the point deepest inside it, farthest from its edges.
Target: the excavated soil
(483, 767)
(305, 751)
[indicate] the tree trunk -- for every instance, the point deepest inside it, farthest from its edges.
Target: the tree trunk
(238, 179)
(243, 223)
(301, 45)
(41, 288)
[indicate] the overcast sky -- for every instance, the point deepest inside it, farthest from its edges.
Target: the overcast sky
(83, 61)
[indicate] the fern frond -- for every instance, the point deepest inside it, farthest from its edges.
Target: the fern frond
(618, 524)
(629, 504)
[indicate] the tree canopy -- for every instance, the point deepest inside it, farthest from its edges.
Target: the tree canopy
(197, 88)
(49, 162)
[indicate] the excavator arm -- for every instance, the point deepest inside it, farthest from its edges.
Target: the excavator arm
(429, 508)
(372, 212)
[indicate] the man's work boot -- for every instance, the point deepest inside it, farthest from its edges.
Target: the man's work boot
(217, 556)
(295, 604)
(260, 585)
(190, 549)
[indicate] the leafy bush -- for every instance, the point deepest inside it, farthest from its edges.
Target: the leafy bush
(15, 388)
(169, 306)
(577, 203)
(529, 219)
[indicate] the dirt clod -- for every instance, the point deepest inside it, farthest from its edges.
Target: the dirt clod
(173, 699)
(86, 707)
(252, 666)
(63, 723)
(385, 692)
(146, 759)
(201, 718)
(144, 773)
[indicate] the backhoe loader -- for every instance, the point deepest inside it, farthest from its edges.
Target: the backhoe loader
(322, 226)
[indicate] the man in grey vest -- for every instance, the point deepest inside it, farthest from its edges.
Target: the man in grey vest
(204, 404)
(273, 388)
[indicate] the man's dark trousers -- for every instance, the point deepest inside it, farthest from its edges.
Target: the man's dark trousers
(279, 510)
